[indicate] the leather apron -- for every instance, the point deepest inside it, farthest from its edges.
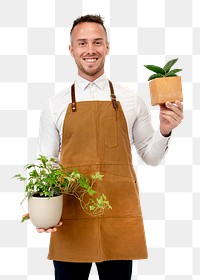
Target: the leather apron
(95, 138)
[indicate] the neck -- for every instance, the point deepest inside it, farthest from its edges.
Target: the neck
(90, 78)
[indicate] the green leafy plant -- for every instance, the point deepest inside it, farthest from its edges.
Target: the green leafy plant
(47, 178)
(163, 72)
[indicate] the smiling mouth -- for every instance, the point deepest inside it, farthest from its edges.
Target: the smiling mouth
(90, 60)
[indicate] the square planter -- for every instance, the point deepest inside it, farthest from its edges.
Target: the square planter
(165, 89)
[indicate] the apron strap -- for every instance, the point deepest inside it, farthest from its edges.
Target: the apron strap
(73, 98)
(112, 95)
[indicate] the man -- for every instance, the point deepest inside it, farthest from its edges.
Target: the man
(90, 127)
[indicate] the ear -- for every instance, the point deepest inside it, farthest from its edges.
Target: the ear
(108, 48)
(71, 50)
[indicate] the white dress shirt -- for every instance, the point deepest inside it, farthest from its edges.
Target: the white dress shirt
(150, 144)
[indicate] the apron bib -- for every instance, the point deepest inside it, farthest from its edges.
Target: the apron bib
(95, 138)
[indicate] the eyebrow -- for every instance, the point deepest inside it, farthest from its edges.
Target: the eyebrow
(96, 39)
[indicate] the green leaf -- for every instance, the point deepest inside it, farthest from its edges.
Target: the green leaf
(52, 160)
(92, 207)
(91, 192)
(155, 69)
(24, 218)
(100, 201)
(29, 166)
(34, 174)
(169, 65)
(97, 176)
(19, 177)
(174, 71)
(170, 75)
(154, 76)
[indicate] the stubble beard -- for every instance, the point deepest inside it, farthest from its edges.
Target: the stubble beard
(91, 72)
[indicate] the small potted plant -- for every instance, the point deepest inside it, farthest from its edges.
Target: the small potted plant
(47, 182)
(164, 84)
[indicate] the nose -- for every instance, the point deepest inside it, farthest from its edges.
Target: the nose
(90, 48)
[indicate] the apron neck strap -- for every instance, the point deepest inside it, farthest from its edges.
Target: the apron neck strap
(73, 97)
(112, 96)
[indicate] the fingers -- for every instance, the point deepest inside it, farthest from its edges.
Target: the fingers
(173, 121)
(171, 115)
(41, 230)
(177, 106)
(174, 110)
(49, 230)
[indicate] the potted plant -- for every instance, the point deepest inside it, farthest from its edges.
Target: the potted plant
(164, 84)
(47, 182)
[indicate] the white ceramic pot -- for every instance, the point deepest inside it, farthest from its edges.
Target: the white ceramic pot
(45, 212)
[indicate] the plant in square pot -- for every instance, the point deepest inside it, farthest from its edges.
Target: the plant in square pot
(47, 182)
(164, 84)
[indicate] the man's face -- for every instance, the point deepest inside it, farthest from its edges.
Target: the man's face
(89, 47)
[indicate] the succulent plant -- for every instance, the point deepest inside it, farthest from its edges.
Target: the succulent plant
(163, 72)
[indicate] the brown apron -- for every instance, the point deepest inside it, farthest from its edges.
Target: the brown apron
(95, 138)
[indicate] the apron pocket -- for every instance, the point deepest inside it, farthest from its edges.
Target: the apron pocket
(122, 194)
(110, 132)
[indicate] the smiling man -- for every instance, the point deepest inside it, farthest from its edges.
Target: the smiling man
(89, 47)
(91, 127)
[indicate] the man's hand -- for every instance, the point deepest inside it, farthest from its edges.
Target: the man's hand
(40, 230)
(49, 230)
(171, 115)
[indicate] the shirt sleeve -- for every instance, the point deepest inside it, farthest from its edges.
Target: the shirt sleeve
(49, 139)
(151, 145)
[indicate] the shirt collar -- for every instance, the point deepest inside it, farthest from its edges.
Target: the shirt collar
(99, 82)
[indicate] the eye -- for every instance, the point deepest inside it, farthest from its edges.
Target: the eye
(97, 43)
(81, 44)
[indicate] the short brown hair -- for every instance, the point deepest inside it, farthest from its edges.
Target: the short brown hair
(89, 18)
